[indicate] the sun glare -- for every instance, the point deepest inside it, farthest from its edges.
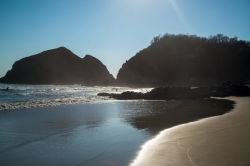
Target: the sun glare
(179, 13)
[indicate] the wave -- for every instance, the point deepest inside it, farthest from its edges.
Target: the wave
(30, 96)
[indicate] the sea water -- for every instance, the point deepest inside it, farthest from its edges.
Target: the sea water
(70, 125)
(14, 96)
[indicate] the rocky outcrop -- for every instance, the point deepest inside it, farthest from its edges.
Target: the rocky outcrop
(58, 66)
(180, 93)
(183, 60)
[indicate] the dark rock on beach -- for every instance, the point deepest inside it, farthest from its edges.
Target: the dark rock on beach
(177, 93)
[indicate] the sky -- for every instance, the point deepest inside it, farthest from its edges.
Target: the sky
(111, 30)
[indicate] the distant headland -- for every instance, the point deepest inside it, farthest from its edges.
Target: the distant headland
(170, 60)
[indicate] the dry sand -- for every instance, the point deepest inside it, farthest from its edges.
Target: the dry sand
(217, 141)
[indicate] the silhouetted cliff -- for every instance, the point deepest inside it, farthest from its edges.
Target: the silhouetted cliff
(184, 60)
(58, 66)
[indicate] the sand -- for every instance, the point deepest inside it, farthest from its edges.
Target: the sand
(216, 141)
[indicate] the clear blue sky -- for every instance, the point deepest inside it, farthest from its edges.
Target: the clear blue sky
(111, 30)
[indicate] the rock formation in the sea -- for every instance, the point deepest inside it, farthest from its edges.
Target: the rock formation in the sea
(180, 93)
(58, 66)
(184, 60)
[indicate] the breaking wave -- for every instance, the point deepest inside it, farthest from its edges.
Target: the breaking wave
(30, 96)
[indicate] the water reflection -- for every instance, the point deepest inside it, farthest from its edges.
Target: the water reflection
(92, 134)
(89, 134)
(155, 116)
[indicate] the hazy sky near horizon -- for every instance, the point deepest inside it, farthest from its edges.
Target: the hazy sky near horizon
(111, 30)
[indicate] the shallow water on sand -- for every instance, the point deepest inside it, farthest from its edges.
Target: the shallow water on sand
(90, 134)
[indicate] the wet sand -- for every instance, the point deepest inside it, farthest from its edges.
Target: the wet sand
(104, 134)
(222, 140)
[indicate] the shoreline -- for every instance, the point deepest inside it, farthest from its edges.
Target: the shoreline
(217, 140)
(110, 122)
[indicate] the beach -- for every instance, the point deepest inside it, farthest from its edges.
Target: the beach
(219, 141)
(93, 134)
(124, 83)
(71, 125)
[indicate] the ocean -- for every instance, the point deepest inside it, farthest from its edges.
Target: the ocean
(57, 125)
(32, 96)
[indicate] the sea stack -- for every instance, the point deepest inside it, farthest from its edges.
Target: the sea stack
(58, 66)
